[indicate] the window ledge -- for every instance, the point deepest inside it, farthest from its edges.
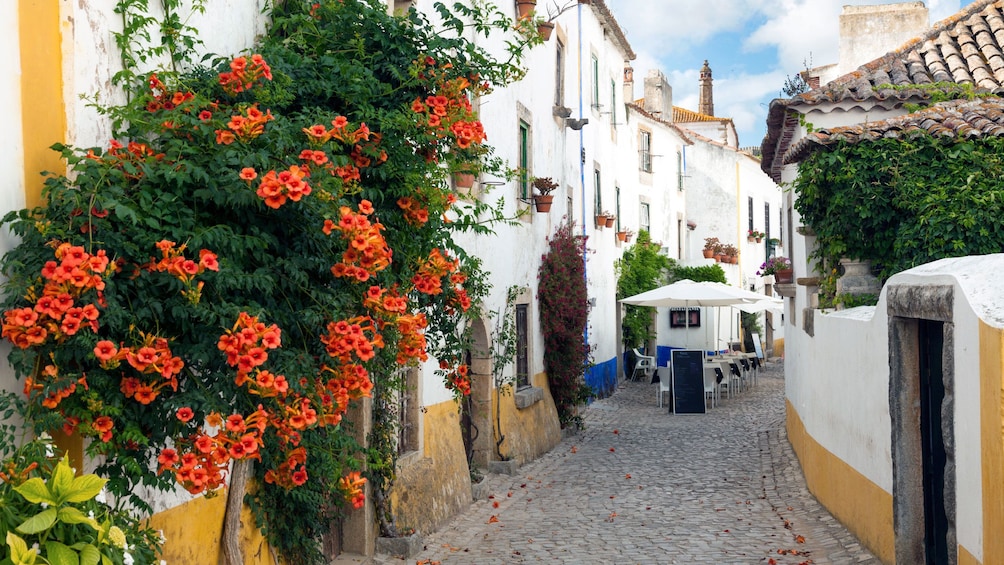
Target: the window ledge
(528, 396)
(786, 290)
(408, 459)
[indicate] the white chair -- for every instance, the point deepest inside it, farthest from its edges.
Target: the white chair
(645, 364)
(710, 386)
(665, 382)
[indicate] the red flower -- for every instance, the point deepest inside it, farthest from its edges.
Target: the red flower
(185, 414)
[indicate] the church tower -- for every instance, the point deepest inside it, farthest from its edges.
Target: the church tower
(706, 105)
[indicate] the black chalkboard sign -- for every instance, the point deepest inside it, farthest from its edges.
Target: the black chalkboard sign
(688, 381)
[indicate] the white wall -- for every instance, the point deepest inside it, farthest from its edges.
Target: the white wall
(91, 58)
(11, 146)
(838, 381)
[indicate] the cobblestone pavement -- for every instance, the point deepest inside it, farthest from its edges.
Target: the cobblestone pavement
(640, 485)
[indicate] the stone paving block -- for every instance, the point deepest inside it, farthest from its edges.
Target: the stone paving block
(718, 488)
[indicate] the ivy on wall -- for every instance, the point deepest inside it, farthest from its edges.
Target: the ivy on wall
(903, 202)
(641, 268)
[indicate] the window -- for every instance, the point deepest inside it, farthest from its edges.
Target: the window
(617, 206)
(751, 213)
(559, 75)
(407, 410)
(613, 103)
(679, 171)
(646, 151)
(598, 197)
(766, 219)
(643, 221)
(596, 81)
(522, 347)
(524, 160)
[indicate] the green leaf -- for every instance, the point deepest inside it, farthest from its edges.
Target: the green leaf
(84, 488)
(34, 490)
(62, 478)
(90, 555)
(18, 548)
(59, 554)
(71, 515)
(39, 522)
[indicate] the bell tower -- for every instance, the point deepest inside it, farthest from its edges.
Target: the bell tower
(706, 105)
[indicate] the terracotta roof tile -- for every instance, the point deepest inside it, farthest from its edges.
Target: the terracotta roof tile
(682, 115)
(983, 117)
(965, 48)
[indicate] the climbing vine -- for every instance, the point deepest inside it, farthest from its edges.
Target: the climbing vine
(265, 241)
(564, 313)
(641, 268)
(903, 202)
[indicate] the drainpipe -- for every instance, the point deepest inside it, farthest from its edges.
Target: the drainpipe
(582, 167)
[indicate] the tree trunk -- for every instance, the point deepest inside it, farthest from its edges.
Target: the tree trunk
(232, 518)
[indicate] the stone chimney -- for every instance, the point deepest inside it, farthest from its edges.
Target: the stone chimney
(658, 95)
(706, 103)
(628, 83)
(868, 32)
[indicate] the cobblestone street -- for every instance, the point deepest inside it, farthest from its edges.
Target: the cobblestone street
(639, 485)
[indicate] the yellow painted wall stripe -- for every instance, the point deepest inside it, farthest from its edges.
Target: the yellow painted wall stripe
(992, 441)
(862, 507)
(43, 115)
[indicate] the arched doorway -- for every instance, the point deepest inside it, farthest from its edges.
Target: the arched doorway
(476, 409)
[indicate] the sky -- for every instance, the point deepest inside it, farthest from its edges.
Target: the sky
(752, 46)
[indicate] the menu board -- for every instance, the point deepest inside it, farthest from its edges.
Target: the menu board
(756, 345)
(688, 381)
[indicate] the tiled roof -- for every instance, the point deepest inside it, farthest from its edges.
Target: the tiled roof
(983, 117)
(607, 19)
(966, 48)
(639, 106)
(682, 115)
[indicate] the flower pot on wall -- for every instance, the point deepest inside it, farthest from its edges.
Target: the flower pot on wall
(784, 276)
(463, 180)
(524, 8)
(601, 220)
(543, 202)
(709, 253)
(545, 29)
(610, 221)
(622, 236)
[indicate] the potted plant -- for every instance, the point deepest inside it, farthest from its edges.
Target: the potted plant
(779, 268)
(710, 244)
(622, 234)
(544, 29)
(611, 218)
(543, 199)
(601, 219)
(628, 236)
(731, 253)
(524, 8)
(751, 235)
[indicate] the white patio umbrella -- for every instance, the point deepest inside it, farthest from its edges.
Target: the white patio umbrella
(687, 293)
(756, 302)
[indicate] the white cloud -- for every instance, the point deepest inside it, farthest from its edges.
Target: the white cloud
(941, 9)
(665, 27)
(777, 37)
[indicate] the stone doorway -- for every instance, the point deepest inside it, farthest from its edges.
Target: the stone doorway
(922, 408)
(476, 409)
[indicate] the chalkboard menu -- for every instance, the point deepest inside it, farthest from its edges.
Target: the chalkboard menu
(688, 381)
(756, 345)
